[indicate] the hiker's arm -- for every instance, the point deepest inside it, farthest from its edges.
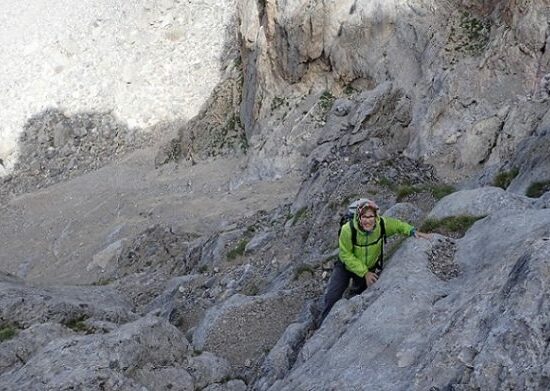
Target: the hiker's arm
(395, 226)
(352, 263)
(421, 235)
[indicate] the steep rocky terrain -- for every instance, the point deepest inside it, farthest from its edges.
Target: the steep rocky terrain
(195, 256)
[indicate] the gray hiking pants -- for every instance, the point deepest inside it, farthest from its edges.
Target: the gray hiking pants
(339, 281)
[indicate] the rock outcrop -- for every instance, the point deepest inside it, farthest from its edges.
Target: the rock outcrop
(472, 78)
(483, 329)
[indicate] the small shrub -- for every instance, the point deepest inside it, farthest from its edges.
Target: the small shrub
(103, 282)
(450, 226)
(7, 332)
(441, 190)
(537, 189)
(349, 90)
(251, 290)
(386, 183)
(78, 324)
(303, 268)
(238, 250)
(243, 142)
(302, 214)
(503, 179)
(326, 100)
(406, 190)
(203, 269)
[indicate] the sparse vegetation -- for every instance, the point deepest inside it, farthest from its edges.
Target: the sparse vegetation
(301, 215)
(406, 190)
(103, 282)
(7, 332)
(503, 179)
(450, 226)
(537, 189)
(78, 324)
(303, 268)
(251, 290)
(441, 190)
(238, 250)
(471, 36)
(326, 100)
(383, 181)
(277, 102)
(203, 269)
(349, 90)
(437, 190)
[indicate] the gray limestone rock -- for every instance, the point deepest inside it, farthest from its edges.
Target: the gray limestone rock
(405, 211)
(479, 202)
(206, 369)
(259, 241)
(413, 330)
(26, 305)
(232, 385)
(243, 327)
(112, 361)
(14, 353)
(533, 160)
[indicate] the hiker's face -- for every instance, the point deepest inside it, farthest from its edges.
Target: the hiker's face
(367, 220)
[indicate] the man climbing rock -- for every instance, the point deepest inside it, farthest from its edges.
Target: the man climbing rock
(361, 244)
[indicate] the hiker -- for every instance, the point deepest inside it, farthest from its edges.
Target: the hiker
(361, 242)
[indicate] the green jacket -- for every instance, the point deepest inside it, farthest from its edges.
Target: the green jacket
(361, 258)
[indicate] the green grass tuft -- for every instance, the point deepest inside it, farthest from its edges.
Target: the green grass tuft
(7, 332)
(406, 190)
(326, 100)
(301, 214)
(441, 190)
(537, 189)
(503, 179)
(303, 268)
(238, 250)
(450, 225)
(437, 190)
(78, 324)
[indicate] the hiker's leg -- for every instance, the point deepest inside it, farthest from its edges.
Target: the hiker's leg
(358, 285)
(337, 284)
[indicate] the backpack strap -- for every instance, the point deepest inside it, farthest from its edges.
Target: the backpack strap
(353, 234)
(380, 262)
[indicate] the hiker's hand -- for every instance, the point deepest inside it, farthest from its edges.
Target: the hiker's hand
(371, 278)
(422, 235)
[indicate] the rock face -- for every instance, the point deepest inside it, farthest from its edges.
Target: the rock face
(180, 269)
(484, 329)
(472, 78)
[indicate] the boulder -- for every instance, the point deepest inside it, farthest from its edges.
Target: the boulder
(242, 328)
(115, 361)
(27, 305)
(479, 202)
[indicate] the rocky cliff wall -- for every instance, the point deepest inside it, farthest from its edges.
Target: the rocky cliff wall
(475, 75)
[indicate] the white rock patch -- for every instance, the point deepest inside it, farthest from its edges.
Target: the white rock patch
(145, 61)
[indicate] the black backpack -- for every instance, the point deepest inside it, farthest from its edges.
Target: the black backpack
(348, 218)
